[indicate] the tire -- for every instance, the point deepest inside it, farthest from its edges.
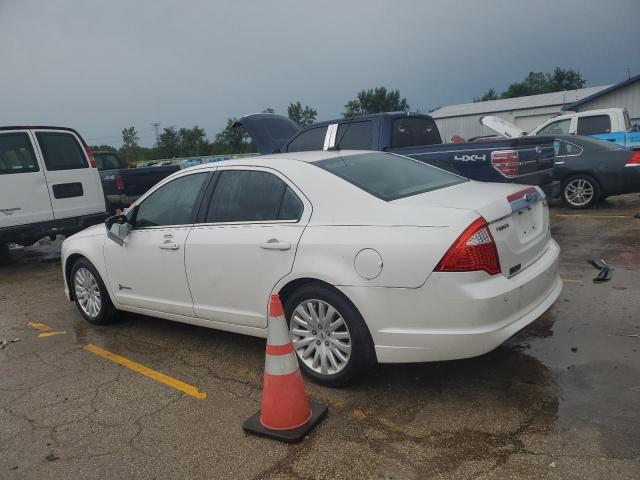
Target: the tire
(580, 191)
(84, 275)
(316, 341)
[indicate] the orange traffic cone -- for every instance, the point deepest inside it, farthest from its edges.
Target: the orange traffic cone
(286, 413)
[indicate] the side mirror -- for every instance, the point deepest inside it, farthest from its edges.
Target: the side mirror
(120, 220)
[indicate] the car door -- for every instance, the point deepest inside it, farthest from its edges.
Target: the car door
(147, 270)
(24, 197)
(74, 185)
(247, 241)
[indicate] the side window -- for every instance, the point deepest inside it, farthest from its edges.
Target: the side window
(252, 196)
(109, 161)
(412, 131)
(172, 204)
(559, 127)
(61, 151)
(593, 125)
(308, 140)
(354, 136)
(16, 154)
(563, 149)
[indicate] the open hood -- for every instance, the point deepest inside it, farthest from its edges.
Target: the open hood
(502, 127)
(269, 131)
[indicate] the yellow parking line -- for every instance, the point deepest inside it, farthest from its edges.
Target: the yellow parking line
(136, 367)
(51, 334)
(590, 216)
(40, 326)
(570, 280)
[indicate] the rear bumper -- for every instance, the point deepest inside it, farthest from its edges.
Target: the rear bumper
(121, 200)
(456, 315)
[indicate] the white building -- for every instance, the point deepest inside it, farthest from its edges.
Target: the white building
(529, 112)
(621, 95)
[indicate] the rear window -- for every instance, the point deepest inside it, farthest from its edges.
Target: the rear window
(109, 161)
(61, 151)
(16, 154)
(412, 131)
(389, 177)
(354, 136)
(593, 125)
(308, 140)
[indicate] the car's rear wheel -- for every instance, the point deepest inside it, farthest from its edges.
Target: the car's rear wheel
(330, 338)
(90, 294)
(580, 191)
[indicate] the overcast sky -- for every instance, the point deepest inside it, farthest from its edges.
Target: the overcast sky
(103, 66)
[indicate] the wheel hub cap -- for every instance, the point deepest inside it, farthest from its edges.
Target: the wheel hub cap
(579, 192)
(87, 292)
(320, 337)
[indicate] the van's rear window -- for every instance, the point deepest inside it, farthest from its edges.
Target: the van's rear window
(389, 177)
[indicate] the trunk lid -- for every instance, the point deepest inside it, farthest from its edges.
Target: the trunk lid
(269, 131)
(518, 217)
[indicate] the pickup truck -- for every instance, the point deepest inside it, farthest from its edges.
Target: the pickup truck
(123, 185)
(611, 124)
(527, 160)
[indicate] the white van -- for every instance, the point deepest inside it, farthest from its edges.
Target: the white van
(48, 184)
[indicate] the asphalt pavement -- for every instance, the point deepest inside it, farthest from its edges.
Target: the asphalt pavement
(559, 400)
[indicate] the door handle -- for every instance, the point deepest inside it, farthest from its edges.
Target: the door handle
(275, 244)
(169, 246)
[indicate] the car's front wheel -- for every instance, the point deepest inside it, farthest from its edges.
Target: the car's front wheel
(580, 191)
(330, 338)
(90, 294)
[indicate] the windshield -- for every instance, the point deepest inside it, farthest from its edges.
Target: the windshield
(389, 177)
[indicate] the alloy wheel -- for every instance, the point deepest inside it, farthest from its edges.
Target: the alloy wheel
(87, 292)
(579, 192)
(320, 337)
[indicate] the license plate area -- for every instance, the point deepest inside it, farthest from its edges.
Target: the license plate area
(528, 222)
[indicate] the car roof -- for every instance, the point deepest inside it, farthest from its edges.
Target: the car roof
(268, 160)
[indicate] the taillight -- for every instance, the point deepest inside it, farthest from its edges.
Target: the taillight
(92, 160)
(634, 161)
(474, 250)
(119, 182)
(506, 162)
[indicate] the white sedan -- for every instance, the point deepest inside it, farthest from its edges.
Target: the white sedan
(376, 257)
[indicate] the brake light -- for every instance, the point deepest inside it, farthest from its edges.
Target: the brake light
(92, 159)
(506, 162)
(119, 182)
(634, 161)
(474, 250)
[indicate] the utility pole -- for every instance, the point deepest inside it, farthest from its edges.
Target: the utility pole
(155, 126)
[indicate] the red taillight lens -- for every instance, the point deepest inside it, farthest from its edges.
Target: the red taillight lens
(119, 183)
(474, 250)
(506, 162)
(92, 160)
(634, 161)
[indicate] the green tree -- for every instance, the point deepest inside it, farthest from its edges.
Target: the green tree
(568, 79)
(302, 115)
(539, 82)
(268, 110)
(488, 95)
(103, 148)
(192, 142)
(130, 148)
(375, 101)
(169, 143)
